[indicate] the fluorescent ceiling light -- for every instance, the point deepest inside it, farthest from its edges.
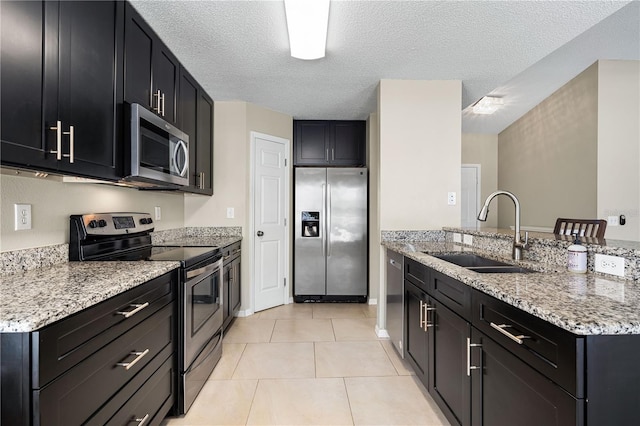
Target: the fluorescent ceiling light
(487, 105)
(307, 22)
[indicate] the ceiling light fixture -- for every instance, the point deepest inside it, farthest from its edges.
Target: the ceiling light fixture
(487, 105)
(307, 22)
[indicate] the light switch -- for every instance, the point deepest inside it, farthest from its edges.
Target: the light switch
(158, 213)
(230, 213)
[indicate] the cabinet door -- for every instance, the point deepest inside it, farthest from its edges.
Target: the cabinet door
(449, 384)
(204, 144)
(165, 80)
(348, 143)
(21, 84)
(416, 342)
(311, 139)
(227, 272)
(507, 391)
(90, 49)
(139, 39)
(188, 105)
(235, 296)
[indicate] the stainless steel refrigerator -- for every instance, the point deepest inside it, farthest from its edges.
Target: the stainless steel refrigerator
(330, 244)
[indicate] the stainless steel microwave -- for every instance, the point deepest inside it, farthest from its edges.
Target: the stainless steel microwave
(158, 152)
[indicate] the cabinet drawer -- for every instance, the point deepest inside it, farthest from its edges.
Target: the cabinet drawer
(62, 345)
(452, 293)
(231, 251)
(416, 272)
(556, 353)
(151, 392)
(77, 394)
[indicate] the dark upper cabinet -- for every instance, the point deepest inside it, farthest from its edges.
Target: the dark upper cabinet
(59, 86)
(329, 143)
(151, 71)
(196, 112)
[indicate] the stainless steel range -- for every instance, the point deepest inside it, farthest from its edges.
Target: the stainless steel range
(126, 236)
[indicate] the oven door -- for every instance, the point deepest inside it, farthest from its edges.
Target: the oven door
(202, 308)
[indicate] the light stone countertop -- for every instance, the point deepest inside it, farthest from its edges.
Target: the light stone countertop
(33, 299)
(584, 304)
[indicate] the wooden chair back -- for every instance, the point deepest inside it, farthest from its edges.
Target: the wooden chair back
(583, 227)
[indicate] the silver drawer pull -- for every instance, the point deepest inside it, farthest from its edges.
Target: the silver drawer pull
(469, 346)
(501, 329)
(142, 420)
(139, 356)
(138, 307)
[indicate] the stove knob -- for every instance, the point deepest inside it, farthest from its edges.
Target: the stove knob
(93, 224)
(102, 223)
(143, 221)
(149, 221)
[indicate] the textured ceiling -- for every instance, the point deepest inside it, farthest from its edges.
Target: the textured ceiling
(520, 50)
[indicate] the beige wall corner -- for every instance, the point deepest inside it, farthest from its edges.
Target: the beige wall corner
(373, 161)
(482, 149)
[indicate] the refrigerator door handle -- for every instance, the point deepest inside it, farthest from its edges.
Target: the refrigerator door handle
(328, 215)
(324, 233)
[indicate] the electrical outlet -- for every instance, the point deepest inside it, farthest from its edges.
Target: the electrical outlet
(230, 213)
(467, 240)
(457, 238)
(451, 198)
(22, 216)
(613, 265)
(158, 213)
(613, 221)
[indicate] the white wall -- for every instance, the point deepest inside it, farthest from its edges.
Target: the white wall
(619, 146)
(483, 149)
(52, 202)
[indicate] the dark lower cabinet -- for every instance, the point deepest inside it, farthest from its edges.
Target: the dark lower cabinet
(60, 80)
(98, 366)
(231, 283)
(507, 391)
(416, 339)
(449, 381)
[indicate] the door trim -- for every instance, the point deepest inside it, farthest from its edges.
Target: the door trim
(478, 168)
(287, 206)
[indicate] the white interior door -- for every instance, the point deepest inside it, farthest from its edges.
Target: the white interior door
(470, 203)
(270, 207)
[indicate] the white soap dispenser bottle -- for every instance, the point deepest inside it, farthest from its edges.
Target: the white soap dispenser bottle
(577, 257)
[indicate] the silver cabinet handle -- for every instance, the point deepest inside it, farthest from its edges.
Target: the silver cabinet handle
(71, 134)
(333, 154)
(469, 346)
(427, 324)
(501, 328)
(138, 307)
(58, 129)
(326, 155)
(157, 107)
(201, 183)
(422, 313)
(142, 420)
(139, 356)
(162, 97)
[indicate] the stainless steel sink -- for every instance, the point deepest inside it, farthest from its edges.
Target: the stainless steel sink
(480, 264)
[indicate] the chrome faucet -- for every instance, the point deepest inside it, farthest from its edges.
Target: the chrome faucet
(518, 244)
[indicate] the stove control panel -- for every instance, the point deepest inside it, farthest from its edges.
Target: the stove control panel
(114, 223)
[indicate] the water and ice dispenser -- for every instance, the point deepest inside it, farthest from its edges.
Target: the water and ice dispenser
(310, 224)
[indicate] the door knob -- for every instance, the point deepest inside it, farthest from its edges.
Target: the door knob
(260, 233)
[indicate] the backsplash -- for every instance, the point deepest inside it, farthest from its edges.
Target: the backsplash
(545, 248)
(41, 257)
(433, 236)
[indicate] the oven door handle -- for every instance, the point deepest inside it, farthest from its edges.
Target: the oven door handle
(205, 269)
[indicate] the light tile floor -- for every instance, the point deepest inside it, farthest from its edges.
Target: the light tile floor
(310, 364)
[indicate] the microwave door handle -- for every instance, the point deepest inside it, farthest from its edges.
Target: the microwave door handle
(185, 150)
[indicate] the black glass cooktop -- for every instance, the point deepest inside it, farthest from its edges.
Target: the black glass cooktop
(186, 255)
